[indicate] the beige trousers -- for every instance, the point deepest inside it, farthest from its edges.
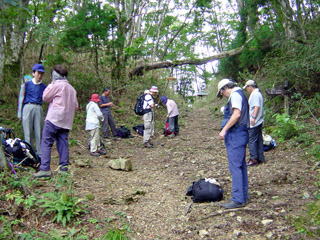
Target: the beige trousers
(94, 139)
(148, 120)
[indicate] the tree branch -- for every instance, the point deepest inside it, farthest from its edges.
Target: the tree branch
(139, 70)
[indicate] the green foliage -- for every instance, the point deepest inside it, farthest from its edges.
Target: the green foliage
(90, 26)
(304, 139)
(6, 225)
(315, 152)
(285, 128)
(55, 234)
(115, 234)
(18, 198)
(309, 224)
(64, 207)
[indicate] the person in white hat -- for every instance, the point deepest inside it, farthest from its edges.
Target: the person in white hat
(148, 117)
(234, 132)
(256, 123)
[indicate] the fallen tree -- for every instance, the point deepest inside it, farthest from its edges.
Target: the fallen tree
(139, 70)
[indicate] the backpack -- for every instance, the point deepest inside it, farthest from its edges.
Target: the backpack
(139, 129)
(123, 132)
(268, 143)
(20, 153)
(166, 130)
(138, 107)
(204, 190)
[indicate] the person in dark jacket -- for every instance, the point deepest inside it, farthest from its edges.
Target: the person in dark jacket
(105, 106)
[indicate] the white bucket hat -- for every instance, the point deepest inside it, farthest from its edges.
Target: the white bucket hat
(221, 84)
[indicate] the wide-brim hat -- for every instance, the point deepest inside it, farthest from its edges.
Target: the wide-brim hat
(95, 98)
(222, 84)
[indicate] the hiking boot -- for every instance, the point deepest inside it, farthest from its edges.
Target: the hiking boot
(95, 154)
(232, 204)
(148, 145)
(102, 152)
(252, 162)
(42, 174)
(171, 135)
(63, 169)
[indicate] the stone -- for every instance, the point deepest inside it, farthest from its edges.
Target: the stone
(236, 233)
(120, 164)
(269, 235)
(80, 162)
(239, 219)
(266, 222)
(203, 233)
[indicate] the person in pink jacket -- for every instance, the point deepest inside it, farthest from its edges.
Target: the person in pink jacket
(62, 99)
(172, 116)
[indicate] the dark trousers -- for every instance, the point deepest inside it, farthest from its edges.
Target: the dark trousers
(50, 134)
(173, 124)
(236, 141)
(256, 143)
(107, 123)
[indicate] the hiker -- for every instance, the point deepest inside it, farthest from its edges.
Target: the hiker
(256, 123)
(148, 117)
(108, 122)
(235, 134)
(62, 99)
(30, 107)
(94, 116)
(172, 116)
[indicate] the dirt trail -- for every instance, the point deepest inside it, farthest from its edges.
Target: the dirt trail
(152, 196)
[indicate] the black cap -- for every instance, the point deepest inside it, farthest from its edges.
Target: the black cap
(106, 89)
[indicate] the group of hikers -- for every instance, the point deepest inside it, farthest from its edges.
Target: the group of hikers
(241, 124)
(62, 99)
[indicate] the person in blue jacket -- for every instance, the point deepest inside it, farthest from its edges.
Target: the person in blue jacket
(31, 110)
(235, 134)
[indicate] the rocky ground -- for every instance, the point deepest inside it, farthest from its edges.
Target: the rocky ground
(152, 202)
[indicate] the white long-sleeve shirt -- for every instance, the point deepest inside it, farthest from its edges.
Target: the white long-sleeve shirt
(94, 116)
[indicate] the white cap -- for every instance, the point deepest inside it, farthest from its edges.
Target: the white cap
(223, 83)
(154, 89)
(249, 83)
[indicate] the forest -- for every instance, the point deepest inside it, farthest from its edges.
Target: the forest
(184, 47)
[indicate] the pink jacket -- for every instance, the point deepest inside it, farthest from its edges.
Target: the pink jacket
(172, 108)
(62, 99)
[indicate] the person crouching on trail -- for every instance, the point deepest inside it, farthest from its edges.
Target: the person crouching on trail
(235, 135)
(148, 117)
(94, 116)
(172, 116)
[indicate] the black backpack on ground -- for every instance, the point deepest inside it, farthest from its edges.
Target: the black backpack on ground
(21, 153)
(123, 132)
(205, 191)
(138, 108)
(139, 129)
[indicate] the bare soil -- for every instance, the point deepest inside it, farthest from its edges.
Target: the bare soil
(151, 199)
